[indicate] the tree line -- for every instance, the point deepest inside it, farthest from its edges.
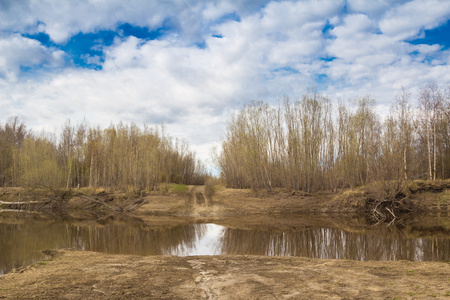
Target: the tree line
(309, 144)
(120, 157)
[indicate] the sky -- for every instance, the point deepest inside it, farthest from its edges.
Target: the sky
(191, 64)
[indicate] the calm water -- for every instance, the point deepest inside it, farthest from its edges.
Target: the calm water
(23, 237)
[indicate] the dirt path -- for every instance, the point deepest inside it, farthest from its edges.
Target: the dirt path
(204, 280)
(89, 275)
(198, 204)
(198, 196)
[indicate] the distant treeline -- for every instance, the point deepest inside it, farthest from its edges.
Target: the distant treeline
(310, 145)
(119, 157)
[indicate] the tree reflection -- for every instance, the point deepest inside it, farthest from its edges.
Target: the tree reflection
(23, 237)
(332, 243)
(21, 243)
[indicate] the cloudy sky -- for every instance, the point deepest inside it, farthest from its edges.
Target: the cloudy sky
(190, 64)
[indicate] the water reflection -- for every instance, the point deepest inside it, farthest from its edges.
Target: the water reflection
(22, 238)
(21, 242)
(336, 244)
(207, 242)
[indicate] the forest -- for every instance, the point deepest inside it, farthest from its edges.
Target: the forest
(306, 144)
(120, 157)
(309, 144)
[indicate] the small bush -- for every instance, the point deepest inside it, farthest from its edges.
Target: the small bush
(178, 188)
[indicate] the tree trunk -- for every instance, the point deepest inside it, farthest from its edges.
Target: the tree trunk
(91, 172)
(434, 151)
(69, 174)
(405, 170)
(428, 148)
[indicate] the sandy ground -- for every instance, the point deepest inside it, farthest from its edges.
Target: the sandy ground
(89, 275)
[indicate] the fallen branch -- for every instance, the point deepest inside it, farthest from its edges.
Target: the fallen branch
(19, 202)
(387, 208)
(18, 210)
(113, 208)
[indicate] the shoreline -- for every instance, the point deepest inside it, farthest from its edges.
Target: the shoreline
(218, 201)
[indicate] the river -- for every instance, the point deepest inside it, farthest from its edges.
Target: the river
(24, 236)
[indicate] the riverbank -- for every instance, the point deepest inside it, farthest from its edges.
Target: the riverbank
(420, 197)
(89, 275)
(218, 201)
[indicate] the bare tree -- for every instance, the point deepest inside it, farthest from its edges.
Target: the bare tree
(402, 111)
(431, 105)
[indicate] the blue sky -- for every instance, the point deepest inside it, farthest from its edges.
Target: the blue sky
(191, 64)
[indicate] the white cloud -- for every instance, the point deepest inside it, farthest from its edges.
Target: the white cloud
(368, 61)
(216, 10)
(63, 19)
(375, 8)
(17, 51)
(407, 21)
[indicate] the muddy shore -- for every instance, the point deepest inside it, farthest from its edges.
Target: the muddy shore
(89, 275)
